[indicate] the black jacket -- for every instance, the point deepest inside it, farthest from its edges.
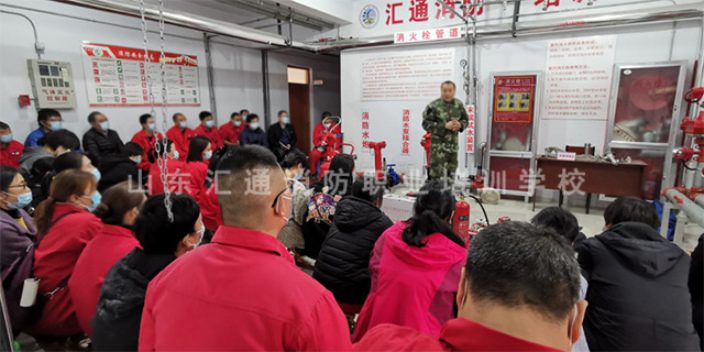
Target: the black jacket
(98, 145)
(638, 296)
(116, 169)
(343, 263)
(118, 316)
(275, 133)
(257, 137)
(696, 287)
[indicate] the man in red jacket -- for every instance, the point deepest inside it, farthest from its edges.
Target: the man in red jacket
(208, 129)
(180, 134)
(10, 150)
(320, 141)
(511, 297)
(145, 139)
(230, 132)
(243, 292)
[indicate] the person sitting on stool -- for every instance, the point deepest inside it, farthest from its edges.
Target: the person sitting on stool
(281, 136)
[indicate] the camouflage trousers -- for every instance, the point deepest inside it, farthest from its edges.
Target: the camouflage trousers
(443, 166)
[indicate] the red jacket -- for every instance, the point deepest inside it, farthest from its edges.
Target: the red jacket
(210, 208)
(242, 292)
(320, 134)
(9, 156)
(411, 286)
(177, 178)
(213, 135)
(197, 171)
(230, 133)
(456, 335)
(147, 143)
(182, 140)
(54, 261)
(93, 265)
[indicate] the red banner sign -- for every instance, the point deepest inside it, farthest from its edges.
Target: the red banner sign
(514, 98)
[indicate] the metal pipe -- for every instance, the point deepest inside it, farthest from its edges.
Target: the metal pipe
(254, 21)
(451, 10)
(679, 201)
(34, 29)
(211, 76)
(278, 24)
(700, 200)
(265, 86)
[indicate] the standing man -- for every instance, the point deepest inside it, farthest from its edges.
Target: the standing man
(48, 120)
(180, 134)
(207, 129)
(10, 150)
(230, 132)
(100, 140)
(444, 118)
(281, 136)
(146, 139)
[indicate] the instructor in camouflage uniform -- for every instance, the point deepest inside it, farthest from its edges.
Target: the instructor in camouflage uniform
(444, 118)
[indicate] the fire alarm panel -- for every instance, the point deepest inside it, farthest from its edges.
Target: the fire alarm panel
(52, 84)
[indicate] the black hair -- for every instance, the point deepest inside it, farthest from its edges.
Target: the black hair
(61, 138)
(117, 201)
(233, 169)
(45, 114)
(215, 160)
(143, 119)
(248, 157)
(204, 114)
(368, 188)
(339, 177)
(92, 115)
(448, 82)
(232, 116)
(282, 112)
(433, 207)
(243, 111)
(251, 117)
(7, 175)
(631, 209)
(153, 229)
(560, 220)
(152, 154)
(294, 158)
(131, 149)
(4, 126)
(71, 160)
(325, 115)
(196, 148)
(517, 264)
(176, 114)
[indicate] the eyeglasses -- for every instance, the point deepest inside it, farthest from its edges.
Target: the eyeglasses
(289, 186)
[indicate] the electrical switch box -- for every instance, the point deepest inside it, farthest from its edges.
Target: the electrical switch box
(52, 84)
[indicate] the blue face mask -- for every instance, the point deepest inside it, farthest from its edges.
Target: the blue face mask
(200, 240)
(209, 124)
(176, 155)
(183, 124)
(208, 155)
(354, 177)
(297, 177)
(254, 126)
(105, 126)
(95, 198)
(6, 138)
(138, 160)
(152, 127)
(56, 125)
(286, 120)
(96, 173)
(238, 123)
(23, 200)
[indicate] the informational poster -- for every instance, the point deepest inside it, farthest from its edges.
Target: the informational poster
(408, 75)
(365, 129)
(470, 129)
(118, 76)
(405, 136)
(578, 80)
(514, 98)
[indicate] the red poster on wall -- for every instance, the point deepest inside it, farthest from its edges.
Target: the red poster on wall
(514, 98)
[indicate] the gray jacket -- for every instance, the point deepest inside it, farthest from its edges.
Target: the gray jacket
(29, 156)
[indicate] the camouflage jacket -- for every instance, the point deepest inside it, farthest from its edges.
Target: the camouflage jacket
(437, 114)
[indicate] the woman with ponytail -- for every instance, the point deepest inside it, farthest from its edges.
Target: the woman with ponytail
(118, 210)
(415, 268)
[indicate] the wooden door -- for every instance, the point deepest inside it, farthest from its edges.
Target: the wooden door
(299, 103)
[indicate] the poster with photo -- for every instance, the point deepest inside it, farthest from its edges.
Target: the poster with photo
(514, 98)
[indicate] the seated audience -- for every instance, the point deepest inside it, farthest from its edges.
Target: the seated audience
(511, 297)
(253, 134)
(118, 209)
(320, 144)
(119, 311)
(294, 165)
(343, 264)
(323, 202)
(415, 268)
(10, 150)
(146, 139)
(65, 224)
(638, 296)
(70, 160)
(48, 120)
(199, 153)
(176, 171)
(566, 225)
(247, 293)
(696, 288)
(244, 113)
(118, 169)
(52, 144)
(230, 131)
(209, 206)
(100, 140)
(281, 136)
(180, 134)
(208, 129)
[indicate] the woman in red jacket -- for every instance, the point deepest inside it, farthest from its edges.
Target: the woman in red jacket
(118, 210)
(415, 268)
(177, 174)
(65, 225)
(199, 153)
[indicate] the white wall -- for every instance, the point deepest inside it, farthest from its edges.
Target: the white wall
(237, 77)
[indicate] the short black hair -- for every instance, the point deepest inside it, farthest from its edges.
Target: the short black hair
(204, 115)
(560, 220)
(92, 115)
(448, 82)
(196, 148)
(517, 264)
(294, 158)
(368, 188)
(325, 115)
(70, 160)
(4, 126)
(45, 114)
(7, 175)
(252, 117)
(243, 111)
(153, 229)
(339, 177)
(152, 154)
(232, 116)
(61, 138)
(282, 112)
(131, 149)
(143, 119)
(176, 115)
(631, 209)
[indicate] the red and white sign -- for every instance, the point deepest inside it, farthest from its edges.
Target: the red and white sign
(405, 135)
(365, 129)
(426, 35)
(470, 129)
(514, 99)
(119, 76)
(567, 156)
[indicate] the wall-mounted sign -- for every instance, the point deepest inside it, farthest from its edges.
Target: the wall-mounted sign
(318, 82)
(470, 129)
(514, 98)
(369, 16)
(426, 35)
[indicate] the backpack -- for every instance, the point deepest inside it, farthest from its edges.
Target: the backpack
(321, 209)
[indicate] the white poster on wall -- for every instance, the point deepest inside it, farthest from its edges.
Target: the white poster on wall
(578, 78)
(407, 75)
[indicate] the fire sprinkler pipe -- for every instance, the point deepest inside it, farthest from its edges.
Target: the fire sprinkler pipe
(695, 211)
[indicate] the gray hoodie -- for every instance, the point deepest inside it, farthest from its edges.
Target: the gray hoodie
(30, 156)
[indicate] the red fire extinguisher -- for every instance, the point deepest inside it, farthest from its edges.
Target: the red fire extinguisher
(460, 223)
